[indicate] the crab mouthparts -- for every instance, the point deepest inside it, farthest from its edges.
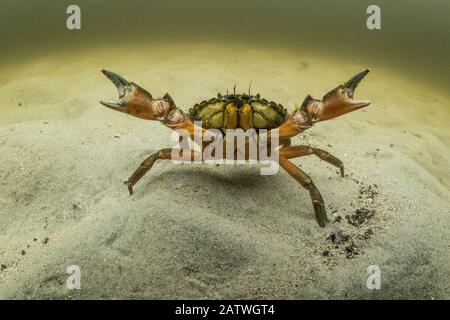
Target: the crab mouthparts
(121, 84)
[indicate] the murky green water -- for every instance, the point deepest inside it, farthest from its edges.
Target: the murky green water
(195, 48)
(414, 35)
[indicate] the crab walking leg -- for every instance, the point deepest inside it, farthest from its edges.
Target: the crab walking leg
(307, 183)
(302, 150)
(147, 164)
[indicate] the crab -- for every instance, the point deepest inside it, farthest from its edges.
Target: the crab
(242, 111)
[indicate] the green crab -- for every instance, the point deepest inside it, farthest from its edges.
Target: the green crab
(245, 112)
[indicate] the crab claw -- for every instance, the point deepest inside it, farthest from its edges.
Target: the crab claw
(337, 102)
(136, 101)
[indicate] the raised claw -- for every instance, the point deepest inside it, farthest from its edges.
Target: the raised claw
(337, 102)
(124, 89)
(351, 84)
(136, 101)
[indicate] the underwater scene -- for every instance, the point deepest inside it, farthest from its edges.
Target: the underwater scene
(354, 96)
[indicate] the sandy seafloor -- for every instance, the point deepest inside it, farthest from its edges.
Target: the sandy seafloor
(195, 231)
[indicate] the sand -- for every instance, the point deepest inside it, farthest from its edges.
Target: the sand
(197, 231)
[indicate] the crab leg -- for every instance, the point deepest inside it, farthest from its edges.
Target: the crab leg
(307, 183)
(299, 151)
(147, 164)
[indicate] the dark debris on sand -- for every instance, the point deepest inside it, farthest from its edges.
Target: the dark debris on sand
(359, 216)
(349, 239)
(365, 211)
(344, 244)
